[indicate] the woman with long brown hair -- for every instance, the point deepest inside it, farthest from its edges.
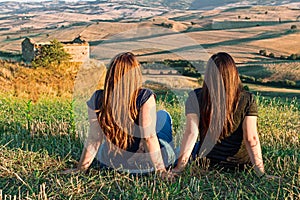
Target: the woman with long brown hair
(225, 116)
(132, 136)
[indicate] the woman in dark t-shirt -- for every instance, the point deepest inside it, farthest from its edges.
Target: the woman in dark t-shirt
(224, 116)
(132, 136)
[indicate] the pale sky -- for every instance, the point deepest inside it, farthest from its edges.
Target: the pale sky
(43, 0)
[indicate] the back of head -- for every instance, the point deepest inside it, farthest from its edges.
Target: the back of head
(221, 90)
(226, 67)
(119, 111)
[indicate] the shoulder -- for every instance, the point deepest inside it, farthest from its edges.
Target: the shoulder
(145, 91)
(192, 104)
(95, 101)
(247, 97)
(195, 95)
(248, 103)
(197, 91)
(143, 96)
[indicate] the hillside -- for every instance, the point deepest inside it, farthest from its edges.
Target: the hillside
(155, 31)
(242, 31)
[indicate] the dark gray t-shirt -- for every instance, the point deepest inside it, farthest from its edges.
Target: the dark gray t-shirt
(231, 149)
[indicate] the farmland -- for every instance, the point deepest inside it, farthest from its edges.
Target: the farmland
(43, 118)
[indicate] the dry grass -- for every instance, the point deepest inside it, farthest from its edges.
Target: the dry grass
(284, 71)
(55, 81)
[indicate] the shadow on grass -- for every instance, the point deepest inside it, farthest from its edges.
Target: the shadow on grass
(257, 71)
(262, 36)
(9, 55)
(14, 135)
(284, 97)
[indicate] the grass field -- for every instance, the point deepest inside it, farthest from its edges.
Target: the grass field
(40, 116)
(39, 139)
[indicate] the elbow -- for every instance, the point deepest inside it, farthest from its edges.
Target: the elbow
(150, 138)
(191, 133)
(252, 140)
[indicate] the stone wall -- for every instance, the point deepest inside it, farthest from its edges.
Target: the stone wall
(78, 52)
(28, 50)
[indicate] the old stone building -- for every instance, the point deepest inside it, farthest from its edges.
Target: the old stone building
(78, 49)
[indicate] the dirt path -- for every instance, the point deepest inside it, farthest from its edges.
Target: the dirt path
(272, 89)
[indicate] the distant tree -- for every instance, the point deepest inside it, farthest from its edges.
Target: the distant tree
(282, 57)
(200, 80)
(52, 54)
(263, 52)
(166, 25)
(293, 27)
(259, 80)
(271, 55)
(239, 17)
(246, 87)
(289, 82)
(292, 57)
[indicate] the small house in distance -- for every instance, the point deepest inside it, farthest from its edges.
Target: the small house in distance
(79, 49)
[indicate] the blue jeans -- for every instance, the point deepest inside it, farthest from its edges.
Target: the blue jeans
(164, 135)
(195, 150)
(164, 127)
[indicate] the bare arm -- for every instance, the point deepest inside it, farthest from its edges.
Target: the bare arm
(148, 123)
(91, 145)
(252, 144)
(188, 141)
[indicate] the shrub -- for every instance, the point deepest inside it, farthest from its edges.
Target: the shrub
(166, 25)
(48, 55)
(282, 57)
(247, 78)
(289, 82)
(271, 55)
(292, 57)
(200, 80)
(246, 87)
(259, 80)
(293, 27)
(263, 52)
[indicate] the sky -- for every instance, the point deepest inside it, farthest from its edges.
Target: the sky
(43, 0)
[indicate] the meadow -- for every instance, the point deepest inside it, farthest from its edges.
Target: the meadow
(39, 139)
(41, 123)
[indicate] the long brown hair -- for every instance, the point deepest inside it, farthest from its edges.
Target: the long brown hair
(220, 94)
(119, 110)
